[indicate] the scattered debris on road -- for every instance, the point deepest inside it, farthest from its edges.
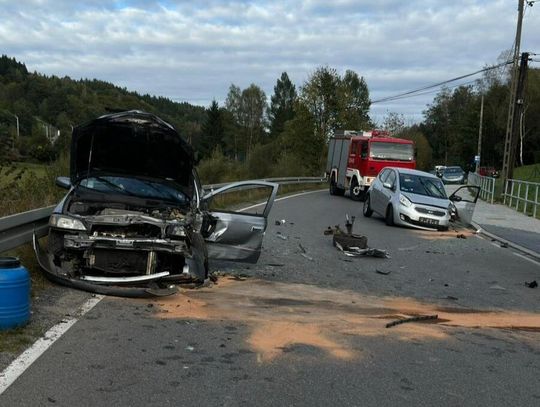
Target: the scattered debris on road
(384, 273)
(532, 284)
(497, 287)
(368, 252)
(280, 222)
(350, 244)
(504, 245)
(282, 237)
(412, 319)
(450, 297)
(461, 236)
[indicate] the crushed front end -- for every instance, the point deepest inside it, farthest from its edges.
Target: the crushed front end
(111, 247)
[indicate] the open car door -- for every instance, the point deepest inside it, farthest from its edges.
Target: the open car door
(238, 215)
(464, 200)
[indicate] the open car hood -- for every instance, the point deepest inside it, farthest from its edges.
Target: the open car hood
(131, 143)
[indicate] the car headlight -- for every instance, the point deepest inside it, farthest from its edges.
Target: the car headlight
(176, 230)
(66, 222)
(403, 200)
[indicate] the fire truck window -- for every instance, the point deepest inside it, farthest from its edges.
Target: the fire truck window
(364, 150)
(353, 148)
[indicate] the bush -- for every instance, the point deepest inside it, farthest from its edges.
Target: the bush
(219, 168)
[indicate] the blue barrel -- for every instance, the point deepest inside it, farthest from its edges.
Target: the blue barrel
(14, 293)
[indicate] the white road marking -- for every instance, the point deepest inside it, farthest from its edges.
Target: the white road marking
(281, 199)
(526, 258)
(30, 355)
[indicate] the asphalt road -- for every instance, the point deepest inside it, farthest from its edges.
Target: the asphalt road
(308, 327)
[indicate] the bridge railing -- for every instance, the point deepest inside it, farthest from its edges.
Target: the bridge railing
(486, 184)
(522, 196)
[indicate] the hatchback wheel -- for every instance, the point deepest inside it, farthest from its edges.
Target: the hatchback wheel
(367, 211)
(389, 216)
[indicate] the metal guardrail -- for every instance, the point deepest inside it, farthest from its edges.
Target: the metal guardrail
(281, 181)
(486, 184)
(16, 230)
(517, 195)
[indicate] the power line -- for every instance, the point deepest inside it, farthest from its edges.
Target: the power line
(432, 91)
(436, 85)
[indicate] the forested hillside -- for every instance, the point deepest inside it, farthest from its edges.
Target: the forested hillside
(48, 107)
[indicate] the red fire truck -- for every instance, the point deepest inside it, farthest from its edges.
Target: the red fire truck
(356, 157)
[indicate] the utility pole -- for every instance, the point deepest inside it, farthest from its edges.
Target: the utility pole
(518, 109)
(508, 164)
(480, 134)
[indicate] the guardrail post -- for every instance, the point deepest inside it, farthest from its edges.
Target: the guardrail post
(492, 190)
(526, 199)
(518, 196)
(535, 201)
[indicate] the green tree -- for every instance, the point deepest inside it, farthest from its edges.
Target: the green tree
(354, 102)
(281, 104)
(320, 95)
(394, 123)
(301, 142)
(213, 130)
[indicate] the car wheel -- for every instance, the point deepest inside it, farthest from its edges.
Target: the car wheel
(367, 211)
(357, 193)
(389, 218)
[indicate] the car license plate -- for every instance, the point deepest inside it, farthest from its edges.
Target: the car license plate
(429, 221)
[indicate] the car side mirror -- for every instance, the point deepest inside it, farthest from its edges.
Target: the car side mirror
(455, 198)
(388, 185)
(63, 182)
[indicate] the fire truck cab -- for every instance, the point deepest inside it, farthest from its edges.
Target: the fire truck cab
(356, 157)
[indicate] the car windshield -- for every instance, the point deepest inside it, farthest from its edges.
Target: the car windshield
(420, 185)
(137, 187)
(391, 151)
(453, 170)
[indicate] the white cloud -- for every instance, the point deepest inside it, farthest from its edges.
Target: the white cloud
(193, 50)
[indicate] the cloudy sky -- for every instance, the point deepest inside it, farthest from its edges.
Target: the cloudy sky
(193, 50)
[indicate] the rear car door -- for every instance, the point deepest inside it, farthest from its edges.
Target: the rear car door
(464, 200)
(238, 214)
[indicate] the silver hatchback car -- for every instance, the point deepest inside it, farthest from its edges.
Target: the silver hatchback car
(418, 199)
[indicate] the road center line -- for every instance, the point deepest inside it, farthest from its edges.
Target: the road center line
(30, 355)
(526, 258)
(281, 199)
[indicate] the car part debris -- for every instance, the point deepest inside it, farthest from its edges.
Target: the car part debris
(348, 241)
(275, 264)
(384, 273)
(282, 237)
(532, 284)
(461, 236)
(412, 319)
(302, 249)
(328, 231)
(280, 222)
(368, 252)
(504, 245)
(306, 256)
(450, 297)
(349, 223)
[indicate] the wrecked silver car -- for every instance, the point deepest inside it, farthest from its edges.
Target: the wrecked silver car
(135, 221)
